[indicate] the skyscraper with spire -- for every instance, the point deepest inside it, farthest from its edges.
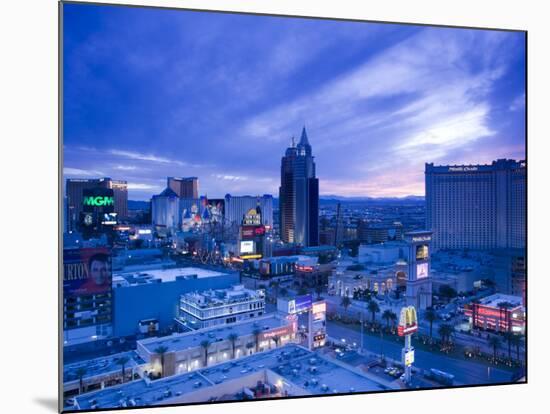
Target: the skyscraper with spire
(299, 195)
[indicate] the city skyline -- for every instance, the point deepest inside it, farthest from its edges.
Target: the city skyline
(228, 121)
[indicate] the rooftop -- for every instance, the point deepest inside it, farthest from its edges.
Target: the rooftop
(180, 342)
(220, 297)
(494, 300)
(166, 275)
(100, 366)
(308, 371)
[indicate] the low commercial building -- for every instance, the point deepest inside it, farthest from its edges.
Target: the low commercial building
(99, 373)
(154, 294)
(283, 372)
(220, 307)
(498, 312)
(198, 349)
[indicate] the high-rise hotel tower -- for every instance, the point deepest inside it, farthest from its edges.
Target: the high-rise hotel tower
(299, 195)
(477, 206)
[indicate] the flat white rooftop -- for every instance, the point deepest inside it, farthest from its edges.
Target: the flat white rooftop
(169, 275)
(498, 298)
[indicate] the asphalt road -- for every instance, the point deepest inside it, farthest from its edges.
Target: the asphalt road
(465, 372)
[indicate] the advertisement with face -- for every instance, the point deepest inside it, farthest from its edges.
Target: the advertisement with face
(86, 271)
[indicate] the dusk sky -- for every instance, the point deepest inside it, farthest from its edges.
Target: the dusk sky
(151, 93)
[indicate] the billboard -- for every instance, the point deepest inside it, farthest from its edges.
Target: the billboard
(421, 270)
(86, 271)
(98, 199)
(247, 246)
(299, 304)
(422, 252)
(216, 209)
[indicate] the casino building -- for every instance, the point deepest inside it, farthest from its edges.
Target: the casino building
(477, 206)
(299, 195)
(75, 188)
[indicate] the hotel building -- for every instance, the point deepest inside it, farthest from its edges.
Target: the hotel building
(75, 192)
(477, 206)
(220, 307)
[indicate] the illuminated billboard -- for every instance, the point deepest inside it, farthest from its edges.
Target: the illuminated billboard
(86, 271)
(421, 270)
(247, 246)
(215, 208)
(299, 304)
(422, 252)
(98, 199)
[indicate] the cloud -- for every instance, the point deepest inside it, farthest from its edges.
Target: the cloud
(68, 171)
(518, 103)
(144, 157)
(143, 186)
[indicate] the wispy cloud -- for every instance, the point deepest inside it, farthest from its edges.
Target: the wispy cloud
(144, 157)
(68, 171)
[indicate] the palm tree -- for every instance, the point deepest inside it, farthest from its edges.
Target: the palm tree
(249, 346)
(232, 337)
(276, 339)
(516, 341)
(373, 309)
(430, 316)
(80, 372)
(445, 331)
(122, 361)
(205, 344)
(318, 290)
(494, 341)
(386, 315)
(393, 318)
(509, 337)
(161, 350)
(256, 332)
(346, 302)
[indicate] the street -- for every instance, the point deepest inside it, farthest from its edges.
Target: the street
(465, 372)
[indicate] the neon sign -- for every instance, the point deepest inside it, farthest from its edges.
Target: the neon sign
(98, 201)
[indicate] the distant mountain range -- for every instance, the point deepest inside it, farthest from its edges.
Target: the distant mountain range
(324, 199)
(138, 205)
(375, 199)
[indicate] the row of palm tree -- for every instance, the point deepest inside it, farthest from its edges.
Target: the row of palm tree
(205, 345)
(82, 371)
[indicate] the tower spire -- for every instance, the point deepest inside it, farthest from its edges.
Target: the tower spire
(303, 138)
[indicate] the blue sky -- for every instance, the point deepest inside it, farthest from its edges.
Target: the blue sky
(151, 93)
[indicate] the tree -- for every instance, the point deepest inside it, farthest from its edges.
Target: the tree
(386, 315)
(509, 337)
(430, 316)
(494, 342)
(205, 344)
(122, 361)
(302, 291)
(447, 292)
(283, 292)
(249, 346)
(346, 302)
(393, 318)
(276, 339)
(516, 341)
(256, 332)
(232, 337)
(445, 331)
(80, 372)
(318, 290)
(161, 350)
(373, 308)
